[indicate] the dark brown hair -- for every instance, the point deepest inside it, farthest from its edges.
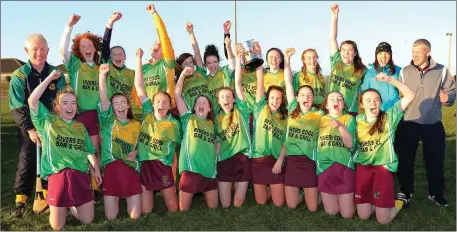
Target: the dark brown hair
(96, 40)
(296, 111)
(359, 67)
(318, 67)
(211, 50)
(210, 115)
(378, 125)
(179, 61)
(391, 65)
(281, 65)
(129, 111)
(282, 108)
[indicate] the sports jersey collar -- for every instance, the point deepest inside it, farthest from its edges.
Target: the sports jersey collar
(269, 71)
(335, 117)
(119, 69)
(309, 111)
(312, 74)
(161, 120)
(123, 123)
(67, 123)
(364, 118)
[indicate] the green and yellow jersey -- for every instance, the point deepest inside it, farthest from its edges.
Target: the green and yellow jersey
(222, 78)
(315, 81)
(378, 149)
(84, 82)
(194, 86)
(65, 145)
(232, 131)
(198, 152)
(330, 146)
(119, 138)
(159, 76)
(342, 79)
(158, 137)
(271, 78)
(302, 131)
(269, 131)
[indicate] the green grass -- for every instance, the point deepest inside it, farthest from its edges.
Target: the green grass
(422, 215)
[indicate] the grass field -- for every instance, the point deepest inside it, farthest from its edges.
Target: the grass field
(422, 215)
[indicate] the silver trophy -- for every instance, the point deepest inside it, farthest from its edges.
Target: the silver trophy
(251, 59)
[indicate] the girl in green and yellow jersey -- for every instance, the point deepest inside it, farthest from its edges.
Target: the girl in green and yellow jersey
(347, 69)
(120, 78)
(159, 73)
(66, 153)
(82, 64)
(311, 75)
(375, 156)
(270, 122)
(195, 84)
(160, 134)
(301, 138)
(274, 74)
(197, 162)
(335, 168)
(218, 77)
(233, 143)
(118, 151)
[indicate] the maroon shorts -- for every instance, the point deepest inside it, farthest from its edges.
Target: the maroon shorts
(156, 176)
(195, 183)
(300, 172)
(235, 169)
(69, 188)
(261, 169)
(90, 120)
(337, 179)
(121, 180)
(374, 185)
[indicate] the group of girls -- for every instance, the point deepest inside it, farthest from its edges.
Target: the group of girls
(294, 137)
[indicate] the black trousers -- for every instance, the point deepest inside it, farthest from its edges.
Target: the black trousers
(26, 166)
(433, 144)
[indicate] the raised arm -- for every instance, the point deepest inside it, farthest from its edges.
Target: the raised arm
(106, 49)
(104, 70)
(165, 42)
(139, 81)
(39, 90)
(288, 74)
(334, 29)
(226, 34)
(260, 91)
(228, 46)
(65, 39)
(239, 73)
(197, 55)
(180, 104)
(408, 94)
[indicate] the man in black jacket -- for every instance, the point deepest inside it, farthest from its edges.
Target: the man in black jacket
(23, 81)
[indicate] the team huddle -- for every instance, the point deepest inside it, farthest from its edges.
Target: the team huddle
(296, 137)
